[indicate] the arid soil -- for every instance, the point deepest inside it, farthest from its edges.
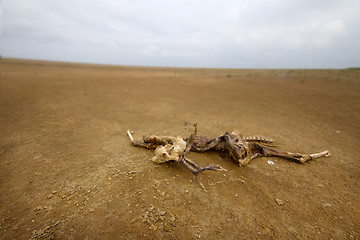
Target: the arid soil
(69, 171)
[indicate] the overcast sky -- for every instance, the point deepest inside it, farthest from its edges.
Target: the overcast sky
(185, 33)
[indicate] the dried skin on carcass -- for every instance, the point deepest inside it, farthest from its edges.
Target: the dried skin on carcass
(241, 149)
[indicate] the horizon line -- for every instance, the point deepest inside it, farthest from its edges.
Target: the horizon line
(148, 66)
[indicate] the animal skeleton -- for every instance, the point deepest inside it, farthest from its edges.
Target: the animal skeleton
(241, 149)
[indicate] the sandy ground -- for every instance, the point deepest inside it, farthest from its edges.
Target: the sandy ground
(68, 170)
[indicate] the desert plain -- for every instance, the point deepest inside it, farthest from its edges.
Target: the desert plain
(69, 171)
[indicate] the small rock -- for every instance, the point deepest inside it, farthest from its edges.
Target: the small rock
(153, 227)
(56, 223)
(48, 209)
(279, 201)
(37, 208)
(50, 195)
(325, 205)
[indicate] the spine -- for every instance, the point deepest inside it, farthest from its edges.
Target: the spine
(259, 139)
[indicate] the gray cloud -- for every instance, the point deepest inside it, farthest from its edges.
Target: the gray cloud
(239, 34)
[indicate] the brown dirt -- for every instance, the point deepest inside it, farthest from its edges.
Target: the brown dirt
(68, 170)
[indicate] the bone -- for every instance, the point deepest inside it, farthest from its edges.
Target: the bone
(241, 149)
